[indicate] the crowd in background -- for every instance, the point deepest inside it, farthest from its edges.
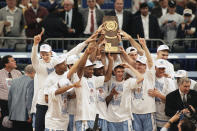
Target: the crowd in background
(152, 19)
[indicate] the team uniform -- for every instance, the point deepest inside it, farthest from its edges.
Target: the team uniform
(86, 102)
(119, 109)
(143, 106)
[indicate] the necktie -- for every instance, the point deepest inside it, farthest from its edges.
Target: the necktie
(92, 22)
(184, 99)
(9, 75)
(67, 18)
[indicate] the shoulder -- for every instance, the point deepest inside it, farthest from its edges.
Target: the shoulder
(172, 94)
(16, 71)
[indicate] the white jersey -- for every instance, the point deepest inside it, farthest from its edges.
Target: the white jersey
(141, 102)
(164, 86)
(57, 117)
(43, 69)
(119, 108)
(86, 97)
(101, 94)
(169, 67)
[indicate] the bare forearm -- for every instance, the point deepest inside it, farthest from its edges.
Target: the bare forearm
(136, 45)
(148, 56)
(109, 98)
(109, 71)
(62, 90)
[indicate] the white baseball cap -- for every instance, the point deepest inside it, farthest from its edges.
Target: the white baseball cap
(58, 60)
(45, 48)
(99, 64)
(160, 63)
(89, 63)
(141, 59)
(187, 12)
(162, 47)
(130, 50)
(181, 73)
(72, 59)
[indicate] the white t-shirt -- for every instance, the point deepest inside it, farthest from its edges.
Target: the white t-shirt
(43, 69)
(57, 115)
(86, 97)
(164, 86)
(169, 67)
(141, 102)
(119, 108)
(72, 102)
(52, 79)
(101, 94)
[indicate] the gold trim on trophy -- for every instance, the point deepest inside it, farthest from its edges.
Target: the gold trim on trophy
(111, 25)
(111, 37)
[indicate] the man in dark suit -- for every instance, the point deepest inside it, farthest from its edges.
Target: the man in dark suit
(124, 17)
(92, 17)
(181, 100)
(146, 25)
(72, 18)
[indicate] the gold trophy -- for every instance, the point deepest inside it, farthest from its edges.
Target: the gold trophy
(111, 29)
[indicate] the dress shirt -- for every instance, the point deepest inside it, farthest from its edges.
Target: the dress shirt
(145, 22)
(70, 17)
(3, 82)
(120, 18)
(88, 26)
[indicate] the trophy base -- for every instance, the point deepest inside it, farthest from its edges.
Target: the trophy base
(111, 49)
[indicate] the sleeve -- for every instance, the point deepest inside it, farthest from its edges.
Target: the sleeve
(180, 32)
(10, 98)
(171, 86)
(52, 95)
(170, 106)
(29, 95)
(34, 57)
(77, 50)
(132, 83)
(99, 81)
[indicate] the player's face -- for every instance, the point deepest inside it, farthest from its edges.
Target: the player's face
(99, 71)
(46, 56)
(163, 54)
(140, 67)
(160, 72)
(133, 56)
(62, 67)
(185, 87)
(88, 71)
(119, 73)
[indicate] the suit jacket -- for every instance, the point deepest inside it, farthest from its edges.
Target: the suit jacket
(18, 104)
(99, 17)
(174, 103)
(33, 27)
(154, 29)
(76, 23)
(127, 20)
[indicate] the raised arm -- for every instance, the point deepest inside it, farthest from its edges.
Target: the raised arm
(147, 53)
(126, 57)
(138, 75)
(34, 53)
(79, 65)
(132, 42)
(109, 70)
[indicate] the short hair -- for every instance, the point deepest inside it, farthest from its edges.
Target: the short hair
(187, 125)
(29, 69)
(143, 5)
(118, 67)
(72, 1)
(183, 79)
(5, 60)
